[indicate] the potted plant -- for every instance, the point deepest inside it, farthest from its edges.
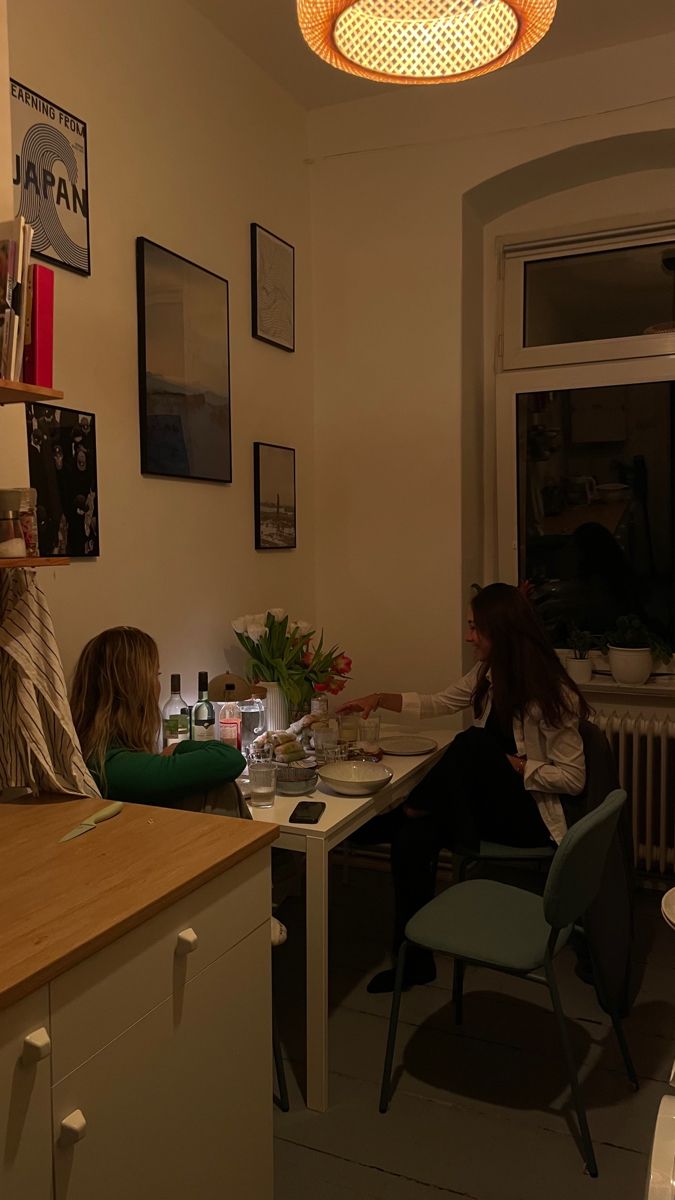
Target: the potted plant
(284, 657)
(633, 650)
(579, 666)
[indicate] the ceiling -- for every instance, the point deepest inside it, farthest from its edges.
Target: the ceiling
(267, 31)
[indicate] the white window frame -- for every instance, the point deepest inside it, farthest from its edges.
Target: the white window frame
(510, 384)
(512, 257)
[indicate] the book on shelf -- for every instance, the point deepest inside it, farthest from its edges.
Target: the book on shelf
(38, 354)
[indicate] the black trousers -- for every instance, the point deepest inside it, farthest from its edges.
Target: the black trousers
(472, 794)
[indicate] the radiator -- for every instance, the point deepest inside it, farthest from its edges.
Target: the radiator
(644, 748)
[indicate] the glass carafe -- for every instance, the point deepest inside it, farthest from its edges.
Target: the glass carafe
(252, 721)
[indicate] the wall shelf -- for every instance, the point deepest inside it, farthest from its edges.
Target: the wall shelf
(8, 563)
(14, 392)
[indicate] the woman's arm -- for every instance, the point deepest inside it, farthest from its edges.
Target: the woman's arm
(452, 699)
(564, 768)
(367, 704)
(156, 779)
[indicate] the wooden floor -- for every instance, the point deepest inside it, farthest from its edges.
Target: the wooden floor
(480, 1113)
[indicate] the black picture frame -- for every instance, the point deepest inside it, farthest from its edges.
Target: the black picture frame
(274, 497)
(52, 197)
(62, 465)
(183, 367)
(272, 289)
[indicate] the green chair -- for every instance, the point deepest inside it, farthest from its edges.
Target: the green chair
(494, 852)
(509, 929)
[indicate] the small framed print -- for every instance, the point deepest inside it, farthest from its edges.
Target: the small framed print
(274, 496)
(273, 289)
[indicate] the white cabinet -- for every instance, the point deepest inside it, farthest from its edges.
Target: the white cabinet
(148, 1070)
(180, 1104)
(25, 1102)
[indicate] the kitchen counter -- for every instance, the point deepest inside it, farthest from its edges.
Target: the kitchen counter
(609, 515)
(62, 902)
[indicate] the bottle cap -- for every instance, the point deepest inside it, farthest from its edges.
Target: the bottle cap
(203, 681)
(175, 683)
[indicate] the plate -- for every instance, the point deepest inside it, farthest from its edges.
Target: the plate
(408, 744)
(297, 787)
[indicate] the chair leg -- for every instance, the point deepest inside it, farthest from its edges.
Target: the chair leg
(385, 1090)
(586, 1141)
(625, 1052)
(279, 1067)
(458, 990)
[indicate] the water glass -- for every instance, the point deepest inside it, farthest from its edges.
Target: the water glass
(348, 725)
(263, 779)
(369, 733)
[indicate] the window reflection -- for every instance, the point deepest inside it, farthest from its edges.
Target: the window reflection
(597, 505)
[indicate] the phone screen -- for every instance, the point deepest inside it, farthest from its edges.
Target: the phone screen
(307, 812)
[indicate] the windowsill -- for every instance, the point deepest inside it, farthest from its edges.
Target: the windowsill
(658, 687)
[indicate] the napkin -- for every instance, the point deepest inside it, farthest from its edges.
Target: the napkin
(39, 748)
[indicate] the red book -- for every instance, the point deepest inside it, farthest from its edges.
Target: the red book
(38, 357)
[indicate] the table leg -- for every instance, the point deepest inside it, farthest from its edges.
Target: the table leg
(317, 974)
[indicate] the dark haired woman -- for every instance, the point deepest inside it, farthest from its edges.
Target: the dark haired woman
(500, 780)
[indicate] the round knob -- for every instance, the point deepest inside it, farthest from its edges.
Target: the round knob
(73, 1128)
(36, 1045)
(186, 942)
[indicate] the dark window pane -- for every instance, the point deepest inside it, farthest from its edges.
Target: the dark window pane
(610, 294)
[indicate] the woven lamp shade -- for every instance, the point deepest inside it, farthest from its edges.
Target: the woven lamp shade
(423, 41)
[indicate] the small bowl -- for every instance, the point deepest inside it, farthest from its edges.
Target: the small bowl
(297, 787)
(288, 773)
(355, 778)
(609, 492)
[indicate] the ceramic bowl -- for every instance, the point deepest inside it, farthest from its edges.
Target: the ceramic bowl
(608, 493)
(355, 778)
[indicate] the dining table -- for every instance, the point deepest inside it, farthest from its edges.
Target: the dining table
(341, 818)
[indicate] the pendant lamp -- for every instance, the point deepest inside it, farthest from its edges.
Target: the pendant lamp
(423, 41)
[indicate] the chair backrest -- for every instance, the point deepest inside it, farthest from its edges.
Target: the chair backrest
(576, 871)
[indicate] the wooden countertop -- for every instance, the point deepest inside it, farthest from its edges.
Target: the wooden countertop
(61, 902)
(610, 515)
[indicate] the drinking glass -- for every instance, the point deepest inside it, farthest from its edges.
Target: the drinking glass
(263, 779)
(348, 725)
(369, 733)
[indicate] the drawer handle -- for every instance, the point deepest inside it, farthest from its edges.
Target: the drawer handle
(36, 1045)
(73, 1128)
(186, 942)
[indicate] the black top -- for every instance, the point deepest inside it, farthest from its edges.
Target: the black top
(504, 737)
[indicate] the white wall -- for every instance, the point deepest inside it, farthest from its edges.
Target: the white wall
(401, 187)
(188, 143)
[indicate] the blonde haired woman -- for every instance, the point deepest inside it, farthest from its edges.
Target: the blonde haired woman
(115, 706)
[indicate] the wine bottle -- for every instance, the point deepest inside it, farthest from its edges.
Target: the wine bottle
(230, 719)
(175, 716)
(203, 713)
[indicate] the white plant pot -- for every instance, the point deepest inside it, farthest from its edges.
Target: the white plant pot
(276, 707)
(630, 665)
(579, 669)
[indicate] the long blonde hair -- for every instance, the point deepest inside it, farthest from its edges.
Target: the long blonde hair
(114, 694)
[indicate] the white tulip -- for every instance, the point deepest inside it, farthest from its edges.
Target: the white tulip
(240, 624)
(256, 631)
(303, 627)
(256, 619)
(277, 613)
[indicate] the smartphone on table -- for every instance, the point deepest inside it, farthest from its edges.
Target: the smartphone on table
(307, 812)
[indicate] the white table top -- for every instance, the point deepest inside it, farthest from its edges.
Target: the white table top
(668, 907)
(340, 809)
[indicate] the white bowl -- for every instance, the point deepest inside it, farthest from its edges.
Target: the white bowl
(355, 778)
(609, 492)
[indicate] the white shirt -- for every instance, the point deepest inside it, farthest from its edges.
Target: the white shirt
(555, 753)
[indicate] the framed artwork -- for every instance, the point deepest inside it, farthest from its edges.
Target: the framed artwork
(273, 289)
(183, 367)
(274, 496)
(51, 189)
(62, 464)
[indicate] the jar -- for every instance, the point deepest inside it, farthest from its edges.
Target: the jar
(23, 501)
(12, 544)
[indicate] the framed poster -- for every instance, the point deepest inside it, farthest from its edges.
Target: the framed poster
(273, 288)
(274, 496)
(62, 464)
(51, 189)
(183, 367)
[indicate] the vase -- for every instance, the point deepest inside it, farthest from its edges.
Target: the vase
(276, 707)
(579, 669)
(630, 665)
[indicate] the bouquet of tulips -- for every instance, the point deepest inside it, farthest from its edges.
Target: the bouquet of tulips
(285, 651)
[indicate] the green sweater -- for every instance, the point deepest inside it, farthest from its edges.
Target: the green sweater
(167, 779)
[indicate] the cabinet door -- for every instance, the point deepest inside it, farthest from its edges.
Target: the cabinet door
(180, 1105)
(25, 1102)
